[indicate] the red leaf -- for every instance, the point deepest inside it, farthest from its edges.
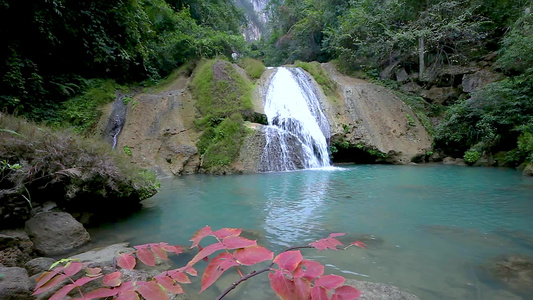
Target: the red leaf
(151, 290)
(128, 295)
(158, 250)
(200, 248)
(200, 234)
(143, 246)
(226, 232)
(309, 269)
(216, 268)
(146, 256)
(170, 284)
(126, 261)
(72, 268)
(84, 280)
(235, 242)
(175, 249)
(91, 272)
(179, 276)
(289, 260)
(126, 286)
(330, 282)
(205, 252)
(252, 255)
(100, 293)
(282, 286)
(44, 277)
(319, 293)
(303, 288)
(346, 292)
(50, 284)
(328, 243)
(336, 234)
(63, 292)
(112, 279)
(189, 270)
(359, 244)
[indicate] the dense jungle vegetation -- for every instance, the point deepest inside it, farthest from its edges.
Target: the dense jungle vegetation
(59, 59)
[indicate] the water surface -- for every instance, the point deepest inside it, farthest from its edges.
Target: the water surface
(430, 229)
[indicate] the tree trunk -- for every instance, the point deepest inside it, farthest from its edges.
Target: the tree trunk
(421, 62)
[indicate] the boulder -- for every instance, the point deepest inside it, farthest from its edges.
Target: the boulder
(15, 248)
(15, 284)
(55, 233)
(528, 170)
(411, 87)
(441, 95)
(479, 79)
(379, 291)
(38, 265)
(103, 257)
(401, 75)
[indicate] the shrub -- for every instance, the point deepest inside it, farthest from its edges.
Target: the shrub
(253, 67)
(472, 156)
(321, 77)
(79, 174)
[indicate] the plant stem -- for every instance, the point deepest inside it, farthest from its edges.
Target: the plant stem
(243, 278)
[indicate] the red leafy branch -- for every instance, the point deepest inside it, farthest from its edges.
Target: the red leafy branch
(292, 278)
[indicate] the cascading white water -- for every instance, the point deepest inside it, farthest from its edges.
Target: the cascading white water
(297, 130)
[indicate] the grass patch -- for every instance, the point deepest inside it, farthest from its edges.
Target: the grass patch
(185, 71)
(224, 100)
(320, 75)
(253, 67)
(81, 112)
(78, 174)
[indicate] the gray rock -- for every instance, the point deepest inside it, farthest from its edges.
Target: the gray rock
(15, 248)
(401, 75)
(528, 170)
(448, 161)
(103, 257)
(440, 95)
(55, 233)
(476, 81)
(38, 265)
(379, 291)
(411, 87)
(15, 284)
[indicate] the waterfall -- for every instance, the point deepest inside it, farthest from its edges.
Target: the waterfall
(297, 128)
(116, 121)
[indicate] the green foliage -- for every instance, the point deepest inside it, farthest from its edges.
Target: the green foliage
(525, 146)
(410, 120)
(79, 174)
(125, 40)
(126, 100)
(321, 77)
(494, 117)
(223, 98)
(253, 67)
(516, 54)
(225, 142)
(220, 91)
(472, 156)
(127, 150)
(82, 112)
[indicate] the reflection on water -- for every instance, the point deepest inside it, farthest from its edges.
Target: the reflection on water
(434, 226)
(294, 206)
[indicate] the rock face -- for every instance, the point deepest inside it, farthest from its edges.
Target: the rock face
(479, 79)
(38, 265)
(379, 291)
(103, 257)
(441, 95)
(15, 284)
(159, 130)
(55, 233)
(371, 116)
(15, 248)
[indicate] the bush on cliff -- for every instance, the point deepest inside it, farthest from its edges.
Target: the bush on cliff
(80, 175)
(224, 100)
